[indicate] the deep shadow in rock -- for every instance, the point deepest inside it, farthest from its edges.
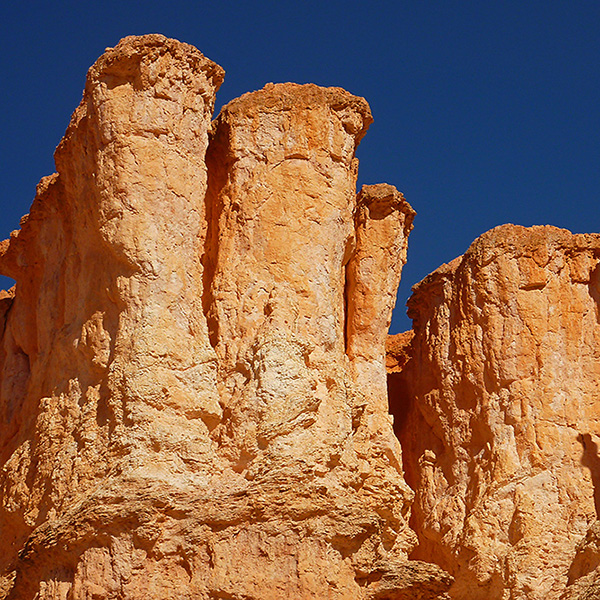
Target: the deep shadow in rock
(591, 460)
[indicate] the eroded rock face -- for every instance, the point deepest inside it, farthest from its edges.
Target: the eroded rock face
(373, 277)
(501, 405)
(192, 399)
(107, 364)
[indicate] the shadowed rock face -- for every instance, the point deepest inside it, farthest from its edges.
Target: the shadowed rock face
(192, 394)
(501, 414)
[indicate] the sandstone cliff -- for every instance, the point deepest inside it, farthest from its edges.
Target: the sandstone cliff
(499, 410)
(193, 387)
(192, 381)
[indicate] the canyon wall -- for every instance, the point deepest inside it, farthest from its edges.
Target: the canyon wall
(498, 401)
(192, 382)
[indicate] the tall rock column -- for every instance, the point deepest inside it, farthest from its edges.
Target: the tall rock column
(179, 417)
(384, 220)
(282, 195)
(283, 219)
(108, 375)
(501, 437)
(136, 150)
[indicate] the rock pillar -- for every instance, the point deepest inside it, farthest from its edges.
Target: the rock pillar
(283, 210)
(179, 417)
(501, 439)
(106, 358)
(383, 222)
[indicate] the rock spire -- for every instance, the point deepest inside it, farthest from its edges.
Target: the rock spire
(192, 398)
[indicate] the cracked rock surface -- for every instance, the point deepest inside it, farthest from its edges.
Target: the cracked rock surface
(192, 381)
(500, 424)
(195, 370)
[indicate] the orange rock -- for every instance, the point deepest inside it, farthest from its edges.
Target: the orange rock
(383, 223)
(397, 348)
(500, 439)
(186, 408)
(106, 361)
(285, 255)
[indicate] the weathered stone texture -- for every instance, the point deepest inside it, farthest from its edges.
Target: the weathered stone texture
(502, 401)
(584, 572)
(107, 364)
(193, 389)
(282, 195)
(383, 222)
(184, 410)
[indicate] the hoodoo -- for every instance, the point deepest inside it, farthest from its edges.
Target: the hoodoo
(192, 399)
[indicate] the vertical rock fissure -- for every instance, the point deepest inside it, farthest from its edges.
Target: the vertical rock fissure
(216, 177)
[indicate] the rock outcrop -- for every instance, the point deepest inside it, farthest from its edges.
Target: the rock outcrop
(193, 386)
(192, 381)
(500, 407)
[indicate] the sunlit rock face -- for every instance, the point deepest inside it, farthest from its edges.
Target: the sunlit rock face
(192, 386)
(500, 414)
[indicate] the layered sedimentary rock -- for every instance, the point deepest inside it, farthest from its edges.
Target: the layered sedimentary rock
(500, 404)
(192, 399)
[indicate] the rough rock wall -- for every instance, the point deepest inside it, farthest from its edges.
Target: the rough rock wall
(383, 223)
(191, 405)
(501, 424)
(107, 365)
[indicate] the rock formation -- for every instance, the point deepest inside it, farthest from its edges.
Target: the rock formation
(500, 419)
(193, 387)
(192, 382)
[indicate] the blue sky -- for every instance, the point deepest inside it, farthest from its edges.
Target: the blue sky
(485, 112)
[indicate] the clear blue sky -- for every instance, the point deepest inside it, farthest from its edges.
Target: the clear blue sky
(485, 112)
